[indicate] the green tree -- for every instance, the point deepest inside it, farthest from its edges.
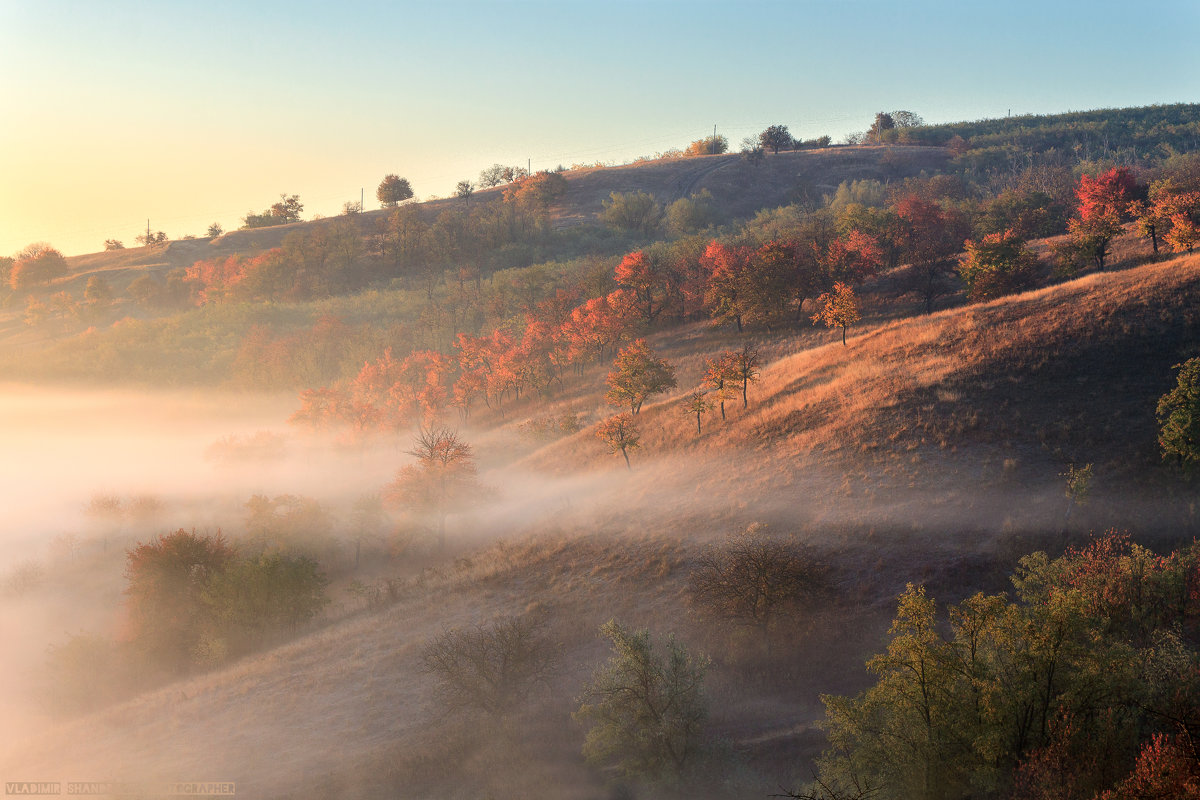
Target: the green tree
(997, 265)
(393, 190)
(113, 244)
(637, 374)
(258, 600)
(167, 579)
(646, 709)
(463, 191)
(215, 230)
(632, 211)
(691, 214)
(775, 138)
(1179, 417)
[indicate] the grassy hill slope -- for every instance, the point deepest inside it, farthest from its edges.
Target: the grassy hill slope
(909, 455)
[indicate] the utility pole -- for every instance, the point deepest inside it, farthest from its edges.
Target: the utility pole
(362, 198)
(147, 231)
(714, 139)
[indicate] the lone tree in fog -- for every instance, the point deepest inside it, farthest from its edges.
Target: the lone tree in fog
(646, 708)
(755, 580)
(621, 435)
(168, 579)
(493, 667)
(442, 480)
(393, 190)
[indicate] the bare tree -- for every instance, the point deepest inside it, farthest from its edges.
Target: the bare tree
(442, 480)
(492, 667)
(755, 580)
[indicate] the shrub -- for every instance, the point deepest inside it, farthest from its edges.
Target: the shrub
(646, 708)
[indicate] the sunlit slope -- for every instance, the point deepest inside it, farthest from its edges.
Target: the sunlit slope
(1003, 395)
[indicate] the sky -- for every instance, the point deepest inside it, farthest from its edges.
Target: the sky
(190, 113)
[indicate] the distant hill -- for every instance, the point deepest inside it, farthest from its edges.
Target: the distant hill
(739, 188)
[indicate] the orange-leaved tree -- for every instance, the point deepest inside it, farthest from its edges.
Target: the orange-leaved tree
(1104, 204)
(638, 373)
(443, 479)
(838, 308)
(621, 435)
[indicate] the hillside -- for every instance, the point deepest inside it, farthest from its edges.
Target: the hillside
(739, 187)
(927, 450)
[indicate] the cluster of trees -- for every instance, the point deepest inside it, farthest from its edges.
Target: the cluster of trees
(1086, 684)
(286, 211)
(192, 600)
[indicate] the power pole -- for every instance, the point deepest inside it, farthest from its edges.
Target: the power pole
(714, 141)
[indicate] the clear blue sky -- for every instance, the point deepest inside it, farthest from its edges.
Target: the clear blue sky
(192, 113)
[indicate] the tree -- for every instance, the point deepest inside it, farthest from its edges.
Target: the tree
(775, 138)
(1077, 489)
(151, 240)
(720, 375)
(648, 278)
(996, 265)
(1055, 694)
(743, 367)
(215, 230)
(752, 151)
(491, 667)
(442, 480)
(633, 211)
(351, 207)
(255, 600)
(288, 209)
(97, 291)
(690, 214)
(463, 191)
(1104, 204)
(113, 244)
(1179, 417)
(755, 580)
(621, 435)
(838, 308)
(929, 237)
(36, 265)
(708, 146)
(167, 580)
(637, 374)
(646, 709)
(883, 122)
(393, 190)
(697, 403)
(498, 174)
